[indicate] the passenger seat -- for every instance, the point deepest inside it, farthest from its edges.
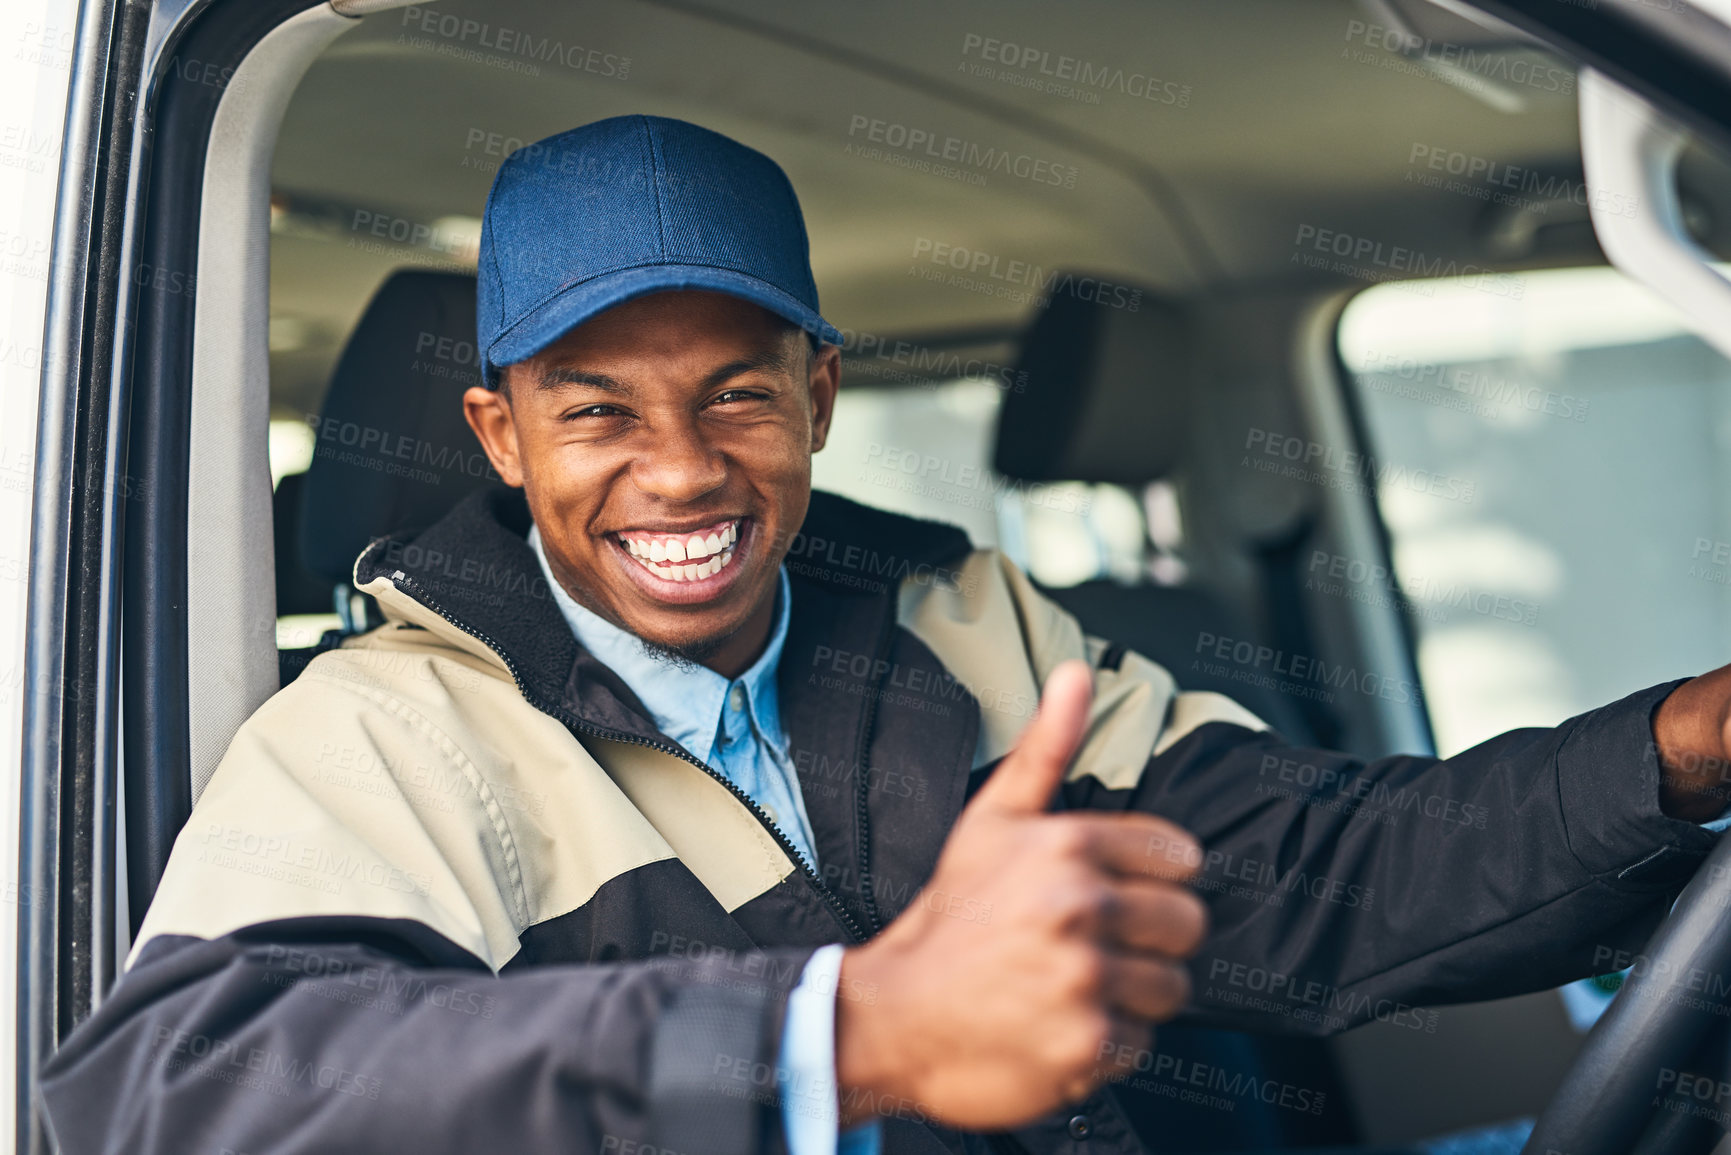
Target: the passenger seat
(392, 449)
(1105, 399)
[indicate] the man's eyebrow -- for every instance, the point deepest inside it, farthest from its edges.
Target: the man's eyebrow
(767, 360)
(558, 376)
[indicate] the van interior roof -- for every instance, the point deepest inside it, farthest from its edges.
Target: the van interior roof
(1283, 114)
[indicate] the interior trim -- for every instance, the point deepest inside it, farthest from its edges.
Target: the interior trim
(1677, 55)
(1187, 234)
(66, 763)
(231, 603)
(156, 788)
(1384, 638)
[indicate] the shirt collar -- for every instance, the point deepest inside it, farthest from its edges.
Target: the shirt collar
(686, 701)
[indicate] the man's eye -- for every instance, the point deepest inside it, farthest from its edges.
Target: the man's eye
(738, 395)
(591, 411)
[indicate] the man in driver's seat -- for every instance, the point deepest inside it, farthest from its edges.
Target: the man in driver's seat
(669, 900)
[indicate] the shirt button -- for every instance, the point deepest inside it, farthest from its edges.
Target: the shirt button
(736, 697)
(1080, 1127)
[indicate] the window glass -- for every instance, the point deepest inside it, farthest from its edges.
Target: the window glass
(928, 451)
(1594, 555)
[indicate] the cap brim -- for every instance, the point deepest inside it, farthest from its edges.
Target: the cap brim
(561, 313)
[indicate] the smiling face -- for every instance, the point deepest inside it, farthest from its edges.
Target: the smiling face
(664, 447)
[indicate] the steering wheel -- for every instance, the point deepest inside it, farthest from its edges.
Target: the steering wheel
(1665, 1030)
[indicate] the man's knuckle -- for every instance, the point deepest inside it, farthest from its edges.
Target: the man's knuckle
(1065, 839)
(1080, 1046)
(1191, 920)
(1077, 903)
(1174, 990)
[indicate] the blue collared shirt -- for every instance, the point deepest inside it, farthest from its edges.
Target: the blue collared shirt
(734, 727)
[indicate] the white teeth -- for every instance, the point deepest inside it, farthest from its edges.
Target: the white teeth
(690, 571)
(692, 558)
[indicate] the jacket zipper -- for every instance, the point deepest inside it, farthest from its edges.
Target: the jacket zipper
(862, 813)
(572, 722)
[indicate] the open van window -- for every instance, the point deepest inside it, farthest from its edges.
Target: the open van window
(447, 716)
(1538, 454)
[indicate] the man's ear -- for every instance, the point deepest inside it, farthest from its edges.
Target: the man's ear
(489, 415)
(825, 381)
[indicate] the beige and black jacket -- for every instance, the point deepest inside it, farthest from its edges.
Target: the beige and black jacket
(451, 891)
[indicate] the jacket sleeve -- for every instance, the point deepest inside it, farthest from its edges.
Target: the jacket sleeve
(323, 967)
(360, 1038)
(1343, 890)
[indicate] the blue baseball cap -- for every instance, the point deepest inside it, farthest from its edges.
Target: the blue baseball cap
(628, 206)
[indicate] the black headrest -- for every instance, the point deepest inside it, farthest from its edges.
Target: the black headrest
(1106, 382)
(393, 451)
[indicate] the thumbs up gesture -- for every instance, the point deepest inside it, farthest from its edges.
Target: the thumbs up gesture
(990, 1024)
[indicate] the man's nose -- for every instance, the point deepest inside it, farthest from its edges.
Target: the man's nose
(679, 465)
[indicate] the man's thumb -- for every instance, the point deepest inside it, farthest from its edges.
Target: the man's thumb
(1027, 778)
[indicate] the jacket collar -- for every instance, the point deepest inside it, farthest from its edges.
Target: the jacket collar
(472, 577)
